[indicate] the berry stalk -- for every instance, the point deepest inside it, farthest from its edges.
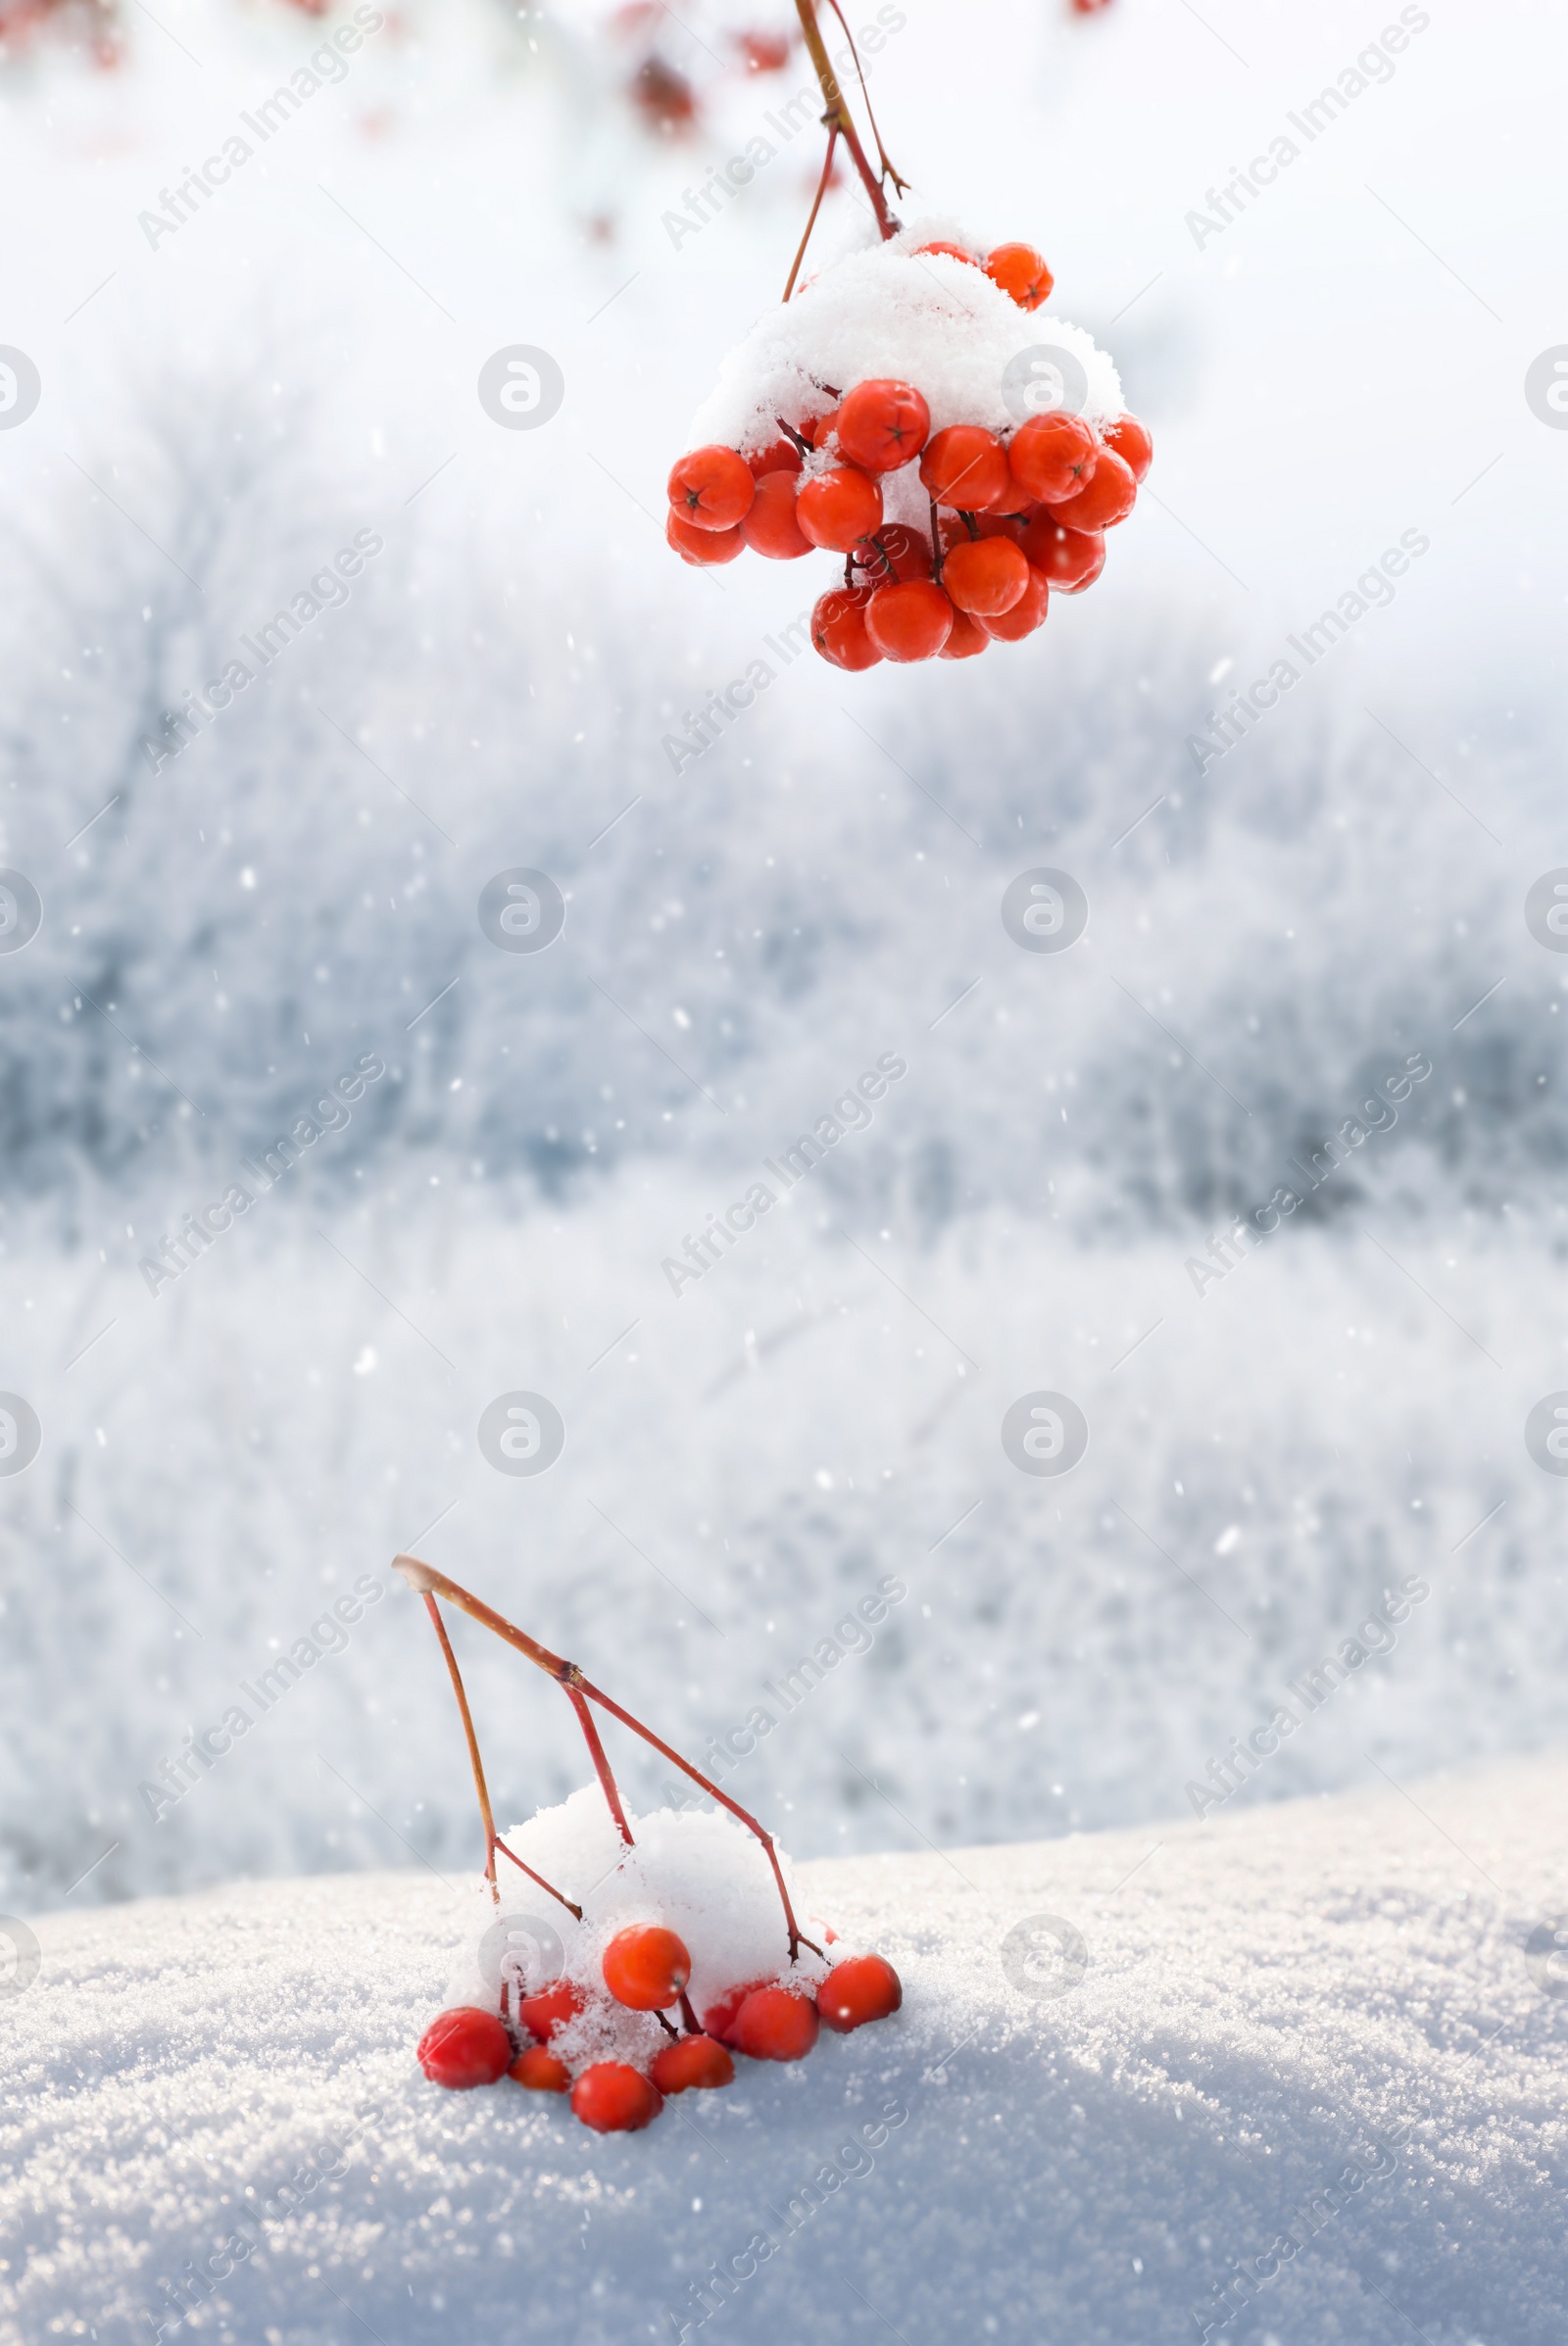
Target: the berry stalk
(427, 1581)
(838, 118)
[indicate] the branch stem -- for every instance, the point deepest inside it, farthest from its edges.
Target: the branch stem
(429, 1583)
(838, 116)
(817, 206)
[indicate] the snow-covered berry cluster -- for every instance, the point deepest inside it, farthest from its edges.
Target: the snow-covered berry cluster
(675, 1964)
(901, 411)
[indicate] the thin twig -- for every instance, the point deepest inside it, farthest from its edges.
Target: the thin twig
(890, 170)
(424, 1580)
(821, 190)
(839, 114)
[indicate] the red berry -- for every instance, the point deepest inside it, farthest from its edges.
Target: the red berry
(711, 488)
(1110, 496)
(838, 631)
(1071, 559)
(1133, 443)
(464, 2047)
(985, 576)
(703, 545)
(954, 530)
(896, 552)
(967, 467)
(861, 1989)
(815, 431)
(882, 425)
(782, 457)
(839, 507)
(1025, 616)
(613, 2098)
(910, 620)
(1021, 272)
(1052, 456)
(954, 252)
(772, 2025)
(542, 2015)
(540, 2069)
(764, 52)
(772, 527)
(646, 1967)
(720, 2019)
(967, 638)
(692, 2061)
(1081, 585)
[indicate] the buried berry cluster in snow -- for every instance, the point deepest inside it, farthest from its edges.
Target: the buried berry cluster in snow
(666, 1951)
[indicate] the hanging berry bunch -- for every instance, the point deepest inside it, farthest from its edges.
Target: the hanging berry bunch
(635, 2009)
(907, 410)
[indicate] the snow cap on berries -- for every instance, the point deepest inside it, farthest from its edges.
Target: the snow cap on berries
(887, 309)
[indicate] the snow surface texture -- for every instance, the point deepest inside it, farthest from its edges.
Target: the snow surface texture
(926, 319)
(1076, 2147)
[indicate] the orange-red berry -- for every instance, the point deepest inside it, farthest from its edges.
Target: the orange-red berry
(711, 488)
(542, 2015)
(720, 2019)
(1022, 274)
(985, 576)
(838, 631)
(613, 2098)
(861, 1989)
(839, 507)
(954, 252)
(954, 528)
(1133, 443)
(967, 467)
(773, 526)
(1071, 559)
(1107, 498)
(1025, 616)
(692, 2061)
(464, 2047)
(909, 620)
(706, 546)
(882, 425)
(967, 637)
(782, 457)
(646, 1967)
(1051, 457)
(772, 2025)
(541, 2070)
(816, 430)
(896, 552)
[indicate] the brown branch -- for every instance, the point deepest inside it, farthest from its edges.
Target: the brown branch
(427, 1583)
(890, 170)
(838, 113)
(492, 1838)
(817, 206)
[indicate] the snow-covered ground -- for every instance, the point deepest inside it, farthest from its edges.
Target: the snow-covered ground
(1308, 2044)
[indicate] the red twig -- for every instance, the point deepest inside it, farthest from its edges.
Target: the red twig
(889, 168)
(492, 1838)
(427, 1583)
(838, 115)
(817, 206)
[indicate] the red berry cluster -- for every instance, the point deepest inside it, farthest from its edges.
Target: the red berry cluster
(646, 1969)
(1011, 518)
